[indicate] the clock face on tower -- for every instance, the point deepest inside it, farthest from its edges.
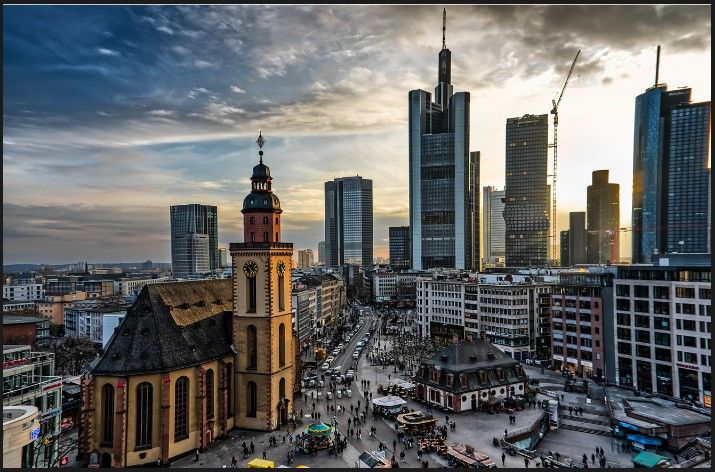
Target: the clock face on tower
(281, 267)
(250, 268)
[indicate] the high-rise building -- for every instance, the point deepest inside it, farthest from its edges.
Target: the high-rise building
(348, 221)
(321, 253)
(688, 179)
(564, 248)
(670, 176)
(399, 246)
(223, 257)
(577, 238)
(493, 227)
(603, 218)
(194, 239)
(444, 177)
(526, 204)
(305, 258)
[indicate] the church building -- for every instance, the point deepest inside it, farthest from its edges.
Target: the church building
(193, 360)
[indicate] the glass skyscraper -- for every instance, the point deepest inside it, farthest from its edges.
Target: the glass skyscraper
(444, 177)
(348, 221)
(670, 174)
(194, 239)
(399, 246)
(604, 219)
(493, 227)
(526, 194)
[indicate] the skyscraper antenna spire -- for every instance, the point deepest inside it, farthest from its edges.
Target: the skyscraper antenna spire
(444, 29)
(657, 65)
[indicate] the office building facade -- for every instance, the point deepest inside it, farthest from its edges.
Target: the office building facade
(399, 246)
(493, 227)
(564, 247)
(577, 238)
(603, 220)
(22, 292)
(321, 253)
(305, 258)
(194, 239)
(670, 175)
(663, 329)
(443, 176)
(348, 221)
(526, 204)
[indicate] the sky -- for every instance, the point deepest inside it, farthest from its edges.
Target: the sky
(113, 113)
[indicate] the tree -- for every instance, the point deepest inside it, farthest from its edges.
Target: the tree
(73, 354)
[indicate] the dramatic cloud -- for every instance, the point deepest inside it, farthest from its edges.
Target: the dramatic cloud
(107, 108)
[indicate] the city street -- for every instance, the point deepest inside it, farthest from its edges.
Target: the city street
(476, 429)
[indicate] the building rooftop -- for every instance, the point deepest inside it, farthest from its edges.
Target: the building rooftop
(663, 412)
(171, 325)
(468, 355)
(14, 319)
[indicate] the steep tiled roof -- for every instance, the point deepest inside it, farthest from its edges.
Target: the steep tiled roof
(169, 326)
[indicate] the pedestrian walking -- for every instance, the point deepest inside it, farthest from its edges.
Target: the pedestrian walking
(570, 410)
(197, 456)
(526, 462)
(253, 448)
(503, 458)
(234, 462)
(593, 459)
(580, 411)
(264, 454)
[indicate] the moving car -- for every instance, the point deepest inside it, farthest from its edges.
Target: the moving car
(325, 366)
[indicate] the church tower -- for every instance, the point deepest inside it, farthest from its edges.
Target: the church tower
(262, 319)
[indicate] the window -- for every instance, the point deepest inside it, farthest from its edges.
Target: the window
(107, 415)
(265, 220)
(181, 406)
(661, 323)
(623, 319)
(661, 339)
(144, 415)
(265, 237)
(624, 348)
(251, 296)
(623, 290)
(641, 306)
(251, 400)
(642, 336)
(276, 220)
(281, 292)
(642, 321)
(282, 388)
(253, 237)
(209, 393)
(253, 221)
(684, 292)
(690, 341)
(643, 351)
(704, 294)
(282, 345)
(640, 291)
(252, 347)
(623, 333)
(662, 354)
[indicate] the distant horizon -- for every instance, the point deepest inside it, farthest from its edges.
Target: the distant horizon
(102, 133)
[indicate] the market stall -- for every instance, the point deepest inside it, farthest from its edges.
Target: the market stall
(388, 406)
(416, 422)
(464, 455)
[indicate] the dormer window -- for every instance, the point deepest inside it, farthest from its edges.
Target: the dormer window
(462, 380)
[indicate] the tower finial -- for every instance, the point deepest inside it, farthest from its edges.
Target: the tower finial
(444, 29)
(260, 141)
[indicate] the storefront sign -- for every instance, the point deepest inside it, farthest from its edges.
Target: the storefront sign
(14, 363)
(706, 401)
(34, 434)
(688, 366)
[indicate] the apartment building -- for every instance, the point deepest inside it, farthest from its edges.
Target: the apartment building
(53, 306)
(93, 320)
(22, 292)
(129, 286)
(662, 327)
(394, 286)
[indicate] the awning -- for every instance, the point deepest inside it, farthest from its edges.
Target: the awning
(648, 441)
(628, 426)
(648, 459)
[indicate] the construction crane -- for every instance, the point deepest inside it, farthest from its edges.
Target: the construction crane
(555, 112)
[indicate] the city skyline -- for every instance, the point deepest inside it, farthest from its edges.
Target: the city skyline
(108, 134)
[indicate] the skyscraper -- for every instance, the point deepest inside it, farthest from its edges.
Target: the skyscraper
(688, 179)
(577, 237)
(194, 239)
(670, 176)
(348, 221)
(444, 176)
(399, 246)
(603, 219)
(564, 247)
(321, 252)
(493, 226)
(526, 195)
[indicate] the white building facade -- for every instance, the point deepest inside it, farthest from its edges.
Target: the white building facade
(23, 292)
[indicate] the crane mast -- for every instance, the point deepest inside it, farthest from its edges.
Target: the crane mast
(555, 112)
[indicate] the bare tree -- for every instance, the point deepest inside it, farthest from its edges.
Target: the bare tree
(73, 354)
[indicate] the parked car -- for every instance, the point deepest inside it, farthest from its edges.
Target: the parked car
(325, 366)
(356, 355)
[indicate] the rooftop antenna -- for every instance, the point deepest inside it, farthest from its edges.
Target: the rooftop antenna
(444, 29)
(657, 65)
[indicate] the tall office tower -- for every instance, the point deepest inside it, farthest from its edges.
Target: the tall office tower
(194, 239)
(603, 218)
(688, 179)
(399, 246)
(670, 177)
(564, 248)
(223, 257)
(348, 221)
(493, 226)
(321, 252)
(577, 237)
(444, 181)
(526, 203)
(305, 258)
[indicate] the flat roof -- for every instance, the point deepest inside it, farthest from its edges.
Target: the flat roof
(666, 412)
(15, 319)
